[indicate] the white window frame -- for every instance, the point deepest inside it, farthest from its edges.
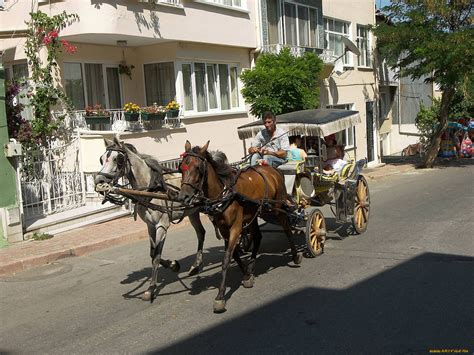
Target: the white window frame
(365, 56)
(297, 25)
(220, 3)
(194, 110)
(347, 59)
(347, 145)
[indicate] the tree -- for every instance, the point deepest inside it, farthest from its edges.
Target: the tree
(431, 38)
(282, 83)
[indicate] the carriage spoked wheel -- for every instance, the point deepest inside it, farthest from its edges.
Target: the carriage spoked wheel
(315, 233)
(360, 220)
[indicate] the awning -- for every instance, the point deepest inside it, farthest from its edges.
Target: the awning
(316, 122)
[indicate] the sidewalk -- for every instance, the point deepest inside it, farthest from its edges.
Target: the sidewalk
(25, 255)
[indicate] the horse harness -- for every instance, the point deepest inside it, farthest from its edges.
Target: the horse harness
(228, 194)
(157, 184)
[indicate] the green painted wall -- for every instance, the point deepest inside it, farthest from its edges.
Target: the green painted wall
(8, 195)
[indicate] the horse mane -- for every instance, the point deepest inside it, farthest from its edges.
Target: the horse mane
(219, 162)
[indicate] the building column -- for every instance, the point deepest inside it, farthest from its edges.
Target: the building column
(11, 228)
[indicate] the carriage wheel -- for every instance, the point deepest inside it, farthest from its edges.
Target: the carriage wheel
(360, 220)
(315, 233)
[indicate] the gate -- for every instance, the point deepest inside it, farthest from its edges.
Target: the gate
(51, 180)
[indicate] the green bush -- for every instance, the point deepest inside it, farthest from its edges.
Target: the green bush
(427, 121)
(282, 83)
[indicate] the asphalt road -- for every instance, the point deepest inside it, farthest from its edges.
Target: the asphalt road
(402, 287)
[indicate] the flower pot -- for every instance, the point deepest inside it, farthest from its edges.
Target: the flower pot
(153, 116)
(172, 113)
(97, 119)
(131, 116)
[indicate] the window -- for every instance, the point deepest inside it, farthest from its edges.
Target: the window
(240, 4)
(160, 83)
(209, 87)
(334, 30)
(89, 84)
(346, 136)
(20, 71)
(363, 44)
(272, 20)
(300, 24)
(74, 84)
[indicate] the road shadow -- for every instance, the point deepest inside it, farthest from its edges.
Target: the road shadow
(420, 305)
(417, 161)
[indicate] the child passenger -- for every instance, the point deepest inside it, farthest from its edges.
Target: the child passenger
(295, 152)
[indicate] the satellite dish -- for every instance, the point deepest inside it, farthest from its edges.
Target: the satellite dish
(350, 46)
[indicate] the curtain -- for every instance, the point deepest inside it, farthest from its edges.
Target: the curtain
(224, 86)
(212, 84)
(303, 28)
(160, 83)
(313, 23)
(201, 92)
(113, 88)
(290, 24)
(188, 88)
(272, 18)
(234, 90)
(94, 84)
(74, 84)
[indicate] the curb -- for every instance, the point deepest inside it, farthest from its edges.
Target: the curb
(21, 262)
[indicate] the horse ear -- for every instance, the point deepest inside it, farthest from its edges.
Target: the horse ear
(108, 142)
(204, 148)
(187, 147)
(117, 141)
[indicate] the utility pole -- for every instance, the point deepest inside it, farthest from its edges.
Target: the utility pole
(11, 228)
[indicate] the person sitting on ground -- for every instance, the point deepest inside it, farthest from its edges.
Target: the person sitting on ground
(334, 162)
(270, 145)
(295, 152)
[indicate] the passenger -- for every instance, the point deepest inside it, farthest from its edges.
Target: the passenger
(270, 145)
(295, 152)
(334, 162)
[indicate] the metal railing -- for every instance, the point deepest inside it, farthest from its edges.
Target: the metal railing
(115, 122)
(326, 55)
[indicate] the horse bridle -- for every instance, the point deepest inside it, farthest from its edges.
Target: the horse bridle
(122, 160)
(198, 188)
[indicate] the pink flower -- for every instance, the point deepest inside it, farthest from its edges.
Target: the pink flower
(46, 40)
(53, 34)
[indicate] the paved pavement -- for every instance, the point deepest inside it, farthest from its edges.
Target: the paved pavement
(28, 254)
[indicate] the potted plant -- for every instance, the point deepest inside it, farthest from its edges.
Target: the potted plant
(96, 115)
(132, 112)
(173, 109)
(153, 112)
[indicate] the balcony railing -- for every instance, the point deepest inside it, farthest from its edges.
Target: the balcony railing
(327, 56)
(115, 122)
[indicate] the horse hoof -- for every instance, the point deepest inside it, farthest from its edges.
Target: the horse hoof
(298, 258)
(175, 266)
(194, 270)
(219, 306)
(147, 296)
(249, 282)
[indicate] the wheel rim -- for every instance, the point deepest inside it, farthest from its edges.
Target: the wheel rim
(362, 205)
(317, 233)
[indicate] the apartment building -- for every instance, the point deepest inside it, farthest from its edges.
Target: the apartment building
(320, 26)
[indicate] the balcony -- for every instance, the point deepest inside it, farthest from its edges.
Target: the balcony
(327, 56)
(116, 122)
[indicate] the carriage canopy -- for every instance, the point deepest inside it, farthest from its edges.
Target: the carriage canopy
(316, 122)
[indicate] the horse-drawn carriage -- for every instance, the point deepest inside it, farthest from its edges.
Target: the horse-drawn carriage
(308, 184)
(235, 198)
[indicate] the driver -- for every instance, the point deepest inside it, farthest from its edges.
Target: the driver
(270, 145)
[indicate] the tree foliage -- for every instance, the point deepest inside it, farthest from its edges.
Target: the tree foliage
(432, 38)
(282, 83)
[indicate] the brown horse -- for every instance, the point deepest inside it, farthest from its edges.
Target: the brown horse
(235, 198)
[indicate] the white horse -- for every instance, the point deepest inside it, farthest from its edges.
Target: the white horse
(144, 173)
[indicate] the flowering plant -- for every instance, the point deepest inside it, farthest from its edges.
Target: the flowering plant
(172, 105)
(96, 110)
(155, 108)
(131, 108)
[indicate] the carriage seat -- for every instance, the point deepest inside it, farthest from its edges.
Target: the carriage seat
(290, 169)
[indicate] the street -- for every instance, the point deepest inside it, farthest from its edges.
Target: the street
(402, 287)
